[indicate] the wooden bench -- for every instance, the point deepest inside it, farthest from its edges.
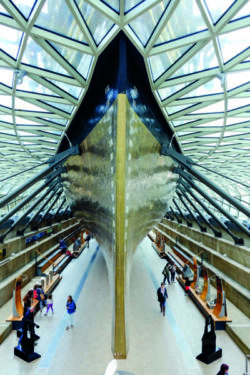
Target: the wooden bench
(62, 263)
(47, 261)
(185, 259)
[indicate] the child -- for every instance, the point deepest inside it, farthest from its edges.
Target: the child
(187, 286)
(49, 304)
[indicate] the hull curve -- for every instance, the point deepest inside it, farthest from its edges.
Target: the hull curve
(119, 187)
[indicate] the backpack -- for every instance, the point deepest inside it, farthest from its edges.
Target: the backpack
(74, 306)
(35, 294)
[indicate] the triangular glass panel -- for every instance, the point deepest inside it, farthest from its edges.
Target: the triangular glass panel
(59, 121)
(144, 25)
(113, 4)
(218, 8)
(80, 61)
(235, 79)
(204, 59)
(36, 56)
(234, 43)
(72, 90)
(64, 107)
(234, 103)
(174, 109)
(244, 12)
(160, 63)
(98, 23)
(3, 10)
(209, 88)
(6, 101)
(24, 6)
(217, 107)
(10, 40)
(26, 106)
(185, 20)
(63, 23)
(30, 85)
(130, 4)
(170, 90)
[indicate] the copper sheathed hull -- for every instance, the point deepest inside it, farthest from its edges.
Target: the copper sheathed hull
(119, 187)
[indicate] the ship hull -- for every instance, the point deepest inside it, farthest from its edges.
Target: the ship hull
(119, 187)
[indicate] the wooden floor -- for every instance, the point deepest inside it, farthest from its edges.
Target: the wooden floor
(157, 345)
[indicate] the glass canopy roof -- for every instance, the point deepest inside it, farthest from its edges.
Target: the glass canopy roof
(197, 56)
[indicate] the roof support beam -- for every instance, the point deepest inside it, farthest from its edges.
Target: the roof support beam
(187, 163)
(188, 178)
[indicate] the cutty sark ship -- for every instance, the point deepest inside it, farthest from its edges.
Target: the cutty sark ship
(119, 186)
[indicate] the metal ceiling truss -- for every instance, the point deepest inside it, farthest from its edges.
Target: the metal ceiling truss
(31, 134)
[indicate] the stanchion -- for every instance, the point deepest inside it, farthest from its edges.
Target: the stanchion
(26, 343)
(209, 352)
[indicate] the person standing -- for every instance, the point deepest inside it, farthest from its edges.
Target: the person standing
(71, 308)
(187, 286)
(173, 270)
(49, 304)
(223, 369)
(162, 295)
(166, 273)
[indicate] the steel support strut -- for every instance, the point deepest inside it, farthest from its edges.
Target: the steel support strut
(178, 220)
(176, 204)
(237, 240)
(53, 162)
(30, 209)
(56, 185)
(187, 163)
(203, 229)
(186, 176)
(216, 233)
(50, 178)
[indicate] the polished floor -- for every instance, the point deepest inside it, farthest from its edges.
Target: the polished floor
(157, 345)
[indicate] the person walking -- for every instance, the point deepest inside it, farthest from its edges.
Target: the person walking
(166, 273)
(223, 369)
(49, 304)
(71, 308)
(162, 295)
